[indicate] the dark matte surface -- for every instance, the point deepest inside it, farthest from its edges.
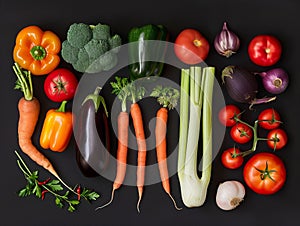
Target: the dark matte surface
(247, 18)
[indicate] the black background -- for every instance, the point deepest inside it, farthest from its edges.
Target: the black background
(246, 18)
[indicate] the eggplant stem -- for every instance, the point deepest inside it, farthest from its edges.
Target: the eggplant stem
(261, 101)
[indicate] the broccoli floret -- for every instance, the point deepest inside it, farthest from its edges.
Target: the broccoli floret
(96, 48)
(115, 42)
(79, 34)
(69, 53)
(83, 62)
(101, 31)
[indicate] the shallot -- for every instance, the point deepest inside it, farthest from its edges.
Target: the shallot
(230, 194)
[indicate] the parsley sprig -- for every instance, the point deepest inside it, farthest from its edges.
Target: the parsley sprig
(53, 187)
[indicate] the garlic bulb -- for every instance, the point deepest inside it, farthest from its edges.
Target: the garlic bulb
(230, 194)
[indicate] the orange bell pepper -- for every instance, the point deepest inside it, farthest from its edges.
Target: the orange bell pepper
(37, 50)
(57, 129)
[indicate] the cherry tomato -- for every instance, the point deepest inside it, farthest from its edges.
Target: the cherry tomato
(264, 50)
(277, 139)
(191, 47)
(269, 119)
(231, 159)
(241, 133)
(227, 113)
(265, 173)
(60, 85)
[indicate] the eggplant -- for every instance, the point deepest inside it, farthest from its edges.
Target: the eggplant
(92, 135)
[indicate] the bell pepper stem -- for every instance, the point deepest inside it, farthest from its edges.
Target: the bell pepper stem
(38, 52)
(62, 107)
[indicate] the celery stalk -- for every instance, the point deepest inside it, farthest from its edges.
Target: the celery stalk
(199, 112)
(183, 130)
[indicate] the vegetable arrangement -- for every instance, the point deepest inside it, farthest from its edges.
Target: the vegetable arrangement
(92, 49)
(29, 109)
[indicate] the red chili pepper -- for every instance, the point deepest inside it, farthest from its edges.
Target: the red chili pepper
(78, 190)
(40, 183)
(43, 194)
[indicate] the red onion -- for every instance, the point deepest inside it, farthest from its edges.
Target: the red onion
(226, 43)
(242, 86)
(275, 81)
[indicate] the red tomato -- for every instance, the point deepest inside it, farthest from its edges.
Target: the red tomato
(277, 139)
(230, 158)
(227, 113)
(241, 133)
(191, 47)
(60, 85)
(264, 50)
(265, 173)
(269, 119)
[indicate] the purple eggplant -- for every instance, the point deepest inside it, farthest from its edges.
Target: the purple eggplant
(92, 135)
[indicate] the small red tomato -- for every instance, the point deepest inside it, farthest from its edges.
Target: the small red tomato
(269, 119)
(264, 50)
(264, 173)
(241, 133)
(60, 85)
(191, 47)
(277, 139)
(227, 113)
(231, 159)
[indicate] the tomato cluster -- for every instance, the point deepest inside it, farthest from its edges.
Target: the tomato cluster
(264, 173)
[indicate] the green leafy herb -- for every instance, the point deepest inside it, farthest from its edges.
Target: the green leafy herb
(40, 188)
(167, 96)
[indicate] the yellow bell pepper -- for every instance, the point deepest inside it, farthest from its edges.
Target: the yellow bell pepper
(57, 129)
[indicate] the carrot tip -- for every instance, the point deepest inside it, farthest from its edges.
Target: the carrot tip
(175, 205)
(110, 201)
(138, 205)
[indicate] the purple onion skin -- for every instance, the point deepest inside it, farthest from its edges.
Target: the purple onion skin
(275, 81)
(226, 42)
(242, 86)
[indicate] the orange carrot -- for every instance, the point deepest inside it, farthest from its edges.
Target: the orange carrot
(28, 116)
(123, 125)
(167, 97)
(161, 149)
(120, 88)
(137, 120)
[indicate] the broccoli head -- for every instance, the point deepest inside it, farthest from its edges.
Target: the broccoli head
(87, 47)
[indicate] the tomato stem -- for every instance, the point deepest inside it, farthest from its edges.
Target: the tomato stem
(197, 42)
(266, 172)
(255, 135)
